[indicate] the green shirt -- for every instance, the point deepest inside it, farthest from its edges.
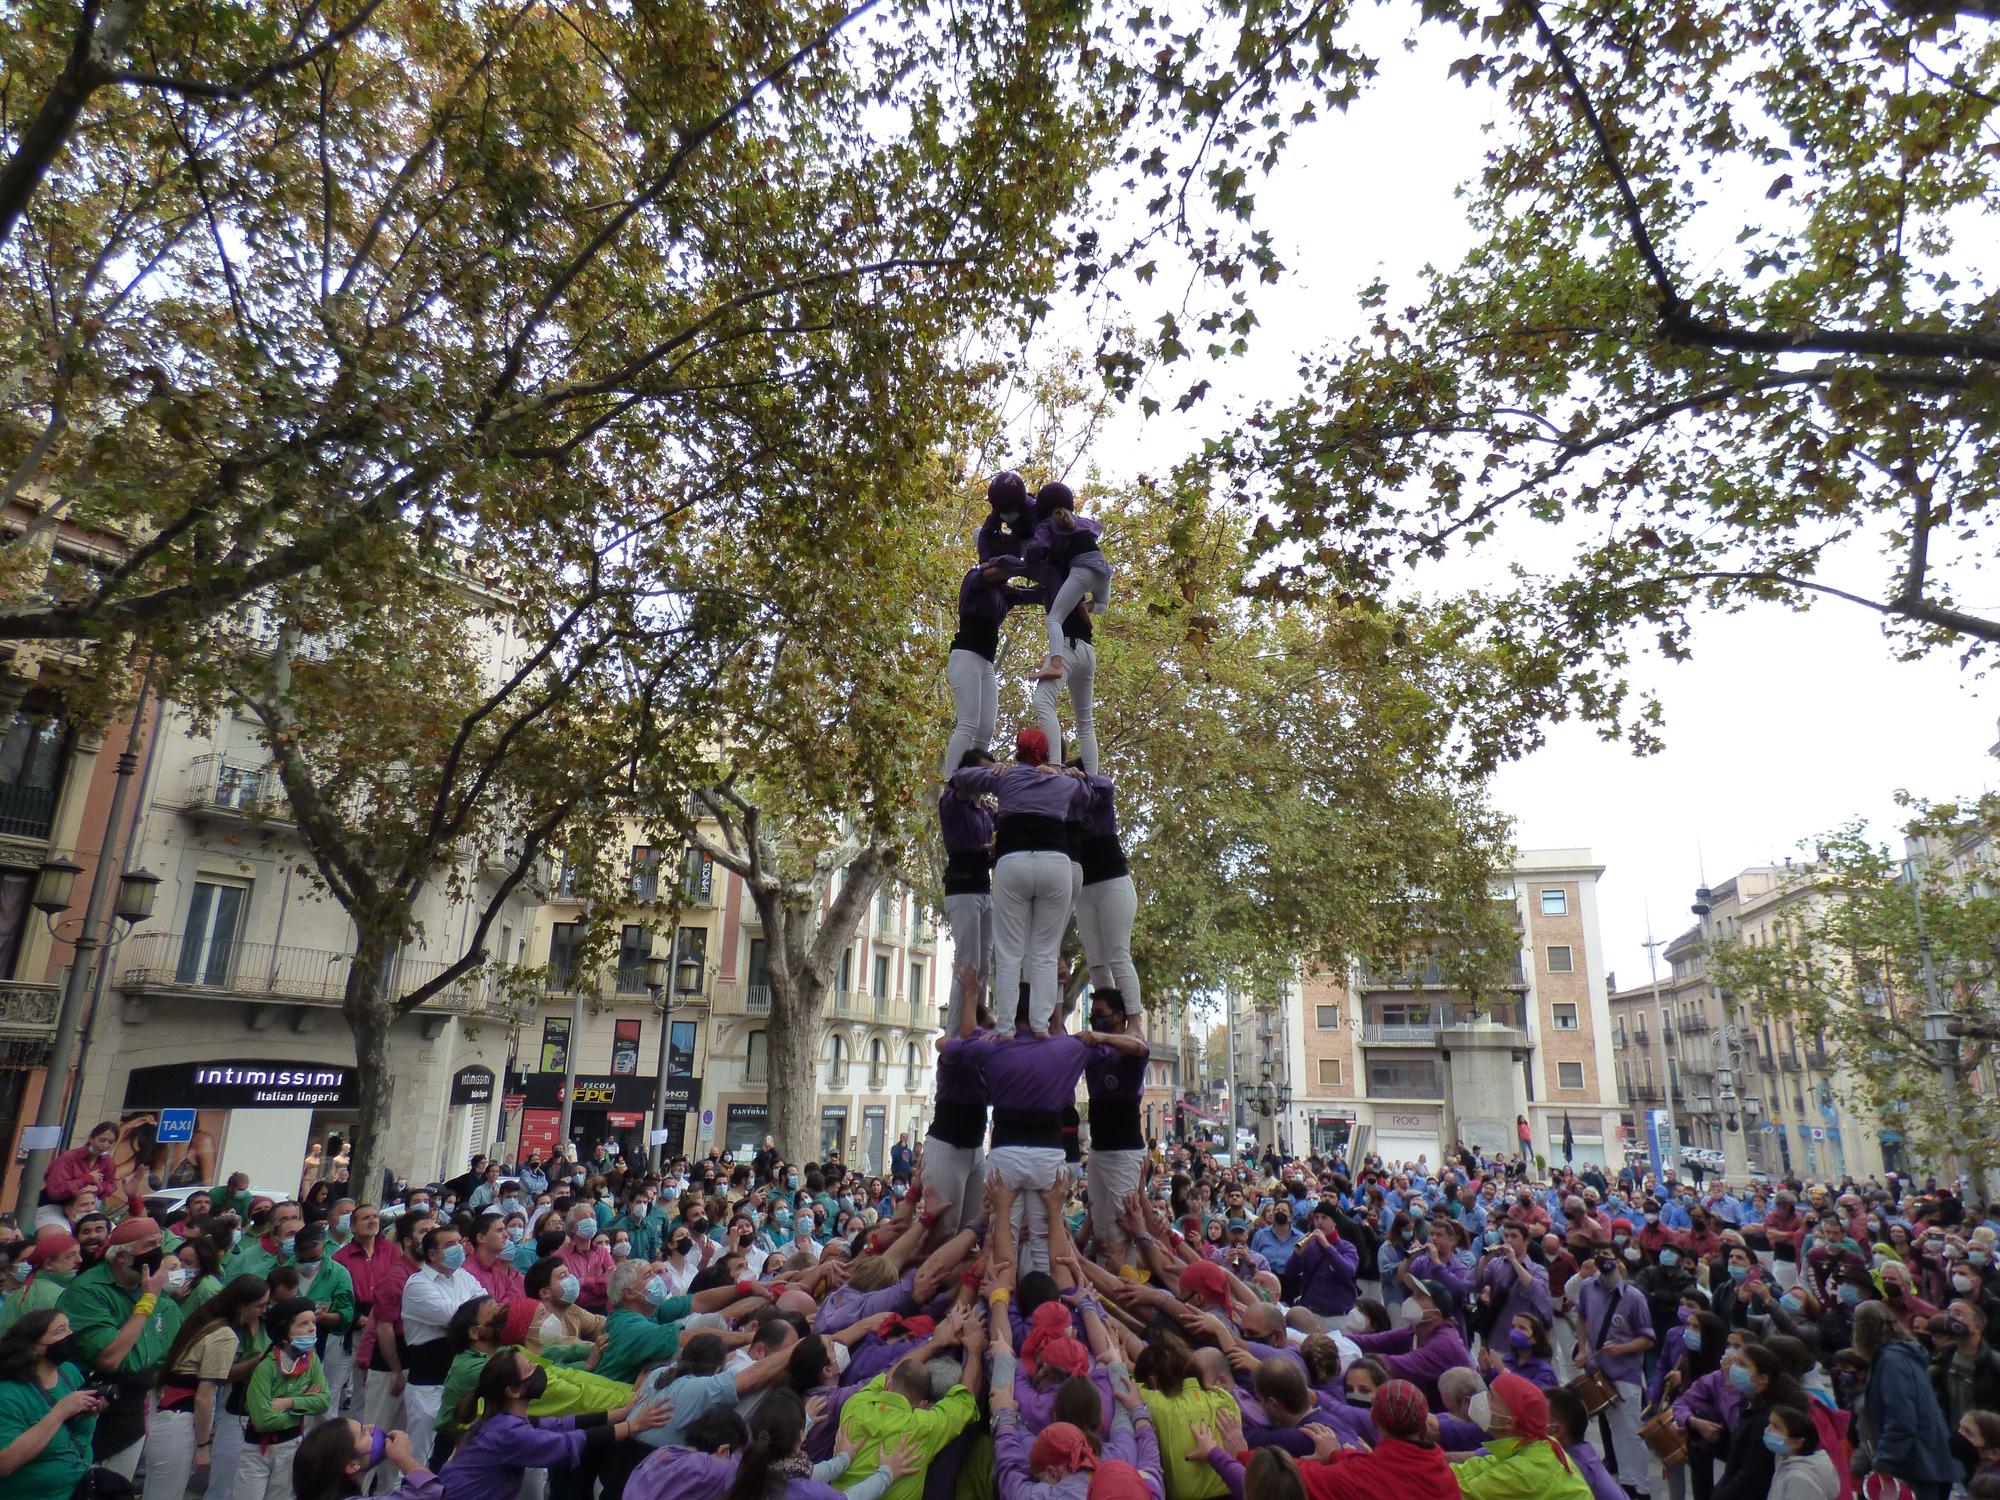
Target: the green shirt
(645, 1234)
(53, 1473)
(43, 1291)
(876, 1417)
(332, 1288)
(268, 1383)
(199, 1293)
(1174, 1421)
(252, 1258)
(1514, 1470)
(97, 1307)
(636, 1341)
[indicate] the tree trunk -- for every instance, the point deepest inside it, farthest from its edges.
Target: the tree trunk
(370, 1013)
(797, 1030)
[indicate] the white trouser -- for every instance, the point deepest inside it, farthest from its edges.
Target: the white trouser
(1027, 1171)
(1089, 575)
(420, 1412)
(1079, 676)
(1031, 900)
(975, 696)
(170, 1451)
(125, 1461)
(1633, 1457)
(338, 1364)
(228, 1450)
(970, 918)
(955, 1171)
(266, 1473)
(1105, 911)
(384, 1410)
(1114, 1176)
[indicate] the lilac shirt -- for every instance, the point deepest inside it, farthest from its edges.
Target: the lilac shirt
(1034, 1074)
(494, 1460)
(1591, 1467)
(1011, 1445)
(1420, 1364)
(1059, 549)
(1457, 1279)
(959, 1080)
(1038, 1407)
(1515, 1294)
(966, 826)
(845, 1307)
(685, 1474)
(1630, 1320)
(1024, 791)
(1328, 1275)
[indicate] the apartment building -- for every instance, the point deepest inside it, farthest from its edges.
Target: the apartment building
(1764, 1093)
(1401, 1066)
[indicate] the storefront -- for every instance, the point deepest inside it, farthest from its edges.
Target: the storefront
(744, 1127)
(607, 1108)
(833, 1131)
(1405, 1135)
(262, 1115)
(468, 1127)
(681, 1099)
(1332, 1130)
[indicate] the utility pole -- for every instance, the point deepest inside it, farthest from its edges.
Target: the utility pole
(565, 1145)
(1937, 1022)
(1229, 1066)
(1666, 1057)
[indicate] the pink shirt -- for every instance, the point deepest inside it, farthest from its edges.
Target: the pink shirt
(367, 1273)
(501, 1280)
(74, 1169)
(591, 1268)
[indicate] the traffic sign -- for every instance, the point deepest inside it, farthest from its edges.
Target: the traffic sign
(707, 1131)
(176, 1127)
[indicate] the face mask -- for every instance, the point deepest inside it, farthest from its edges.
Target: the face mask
(344, 1224)
(1479, 1410)
(378, 1446)
(1961, 1284)
(1619, 1239)
(1691, 1336)
(1670, 1258)
(1777, 1442)
(1652, 1218)
(1632, 1253)
(568, 1288)
(1893, 1290)
(656, 1290)
(1353, 1399)
(1407, 1311)
(177, 1279)
(791, 1179)
(585, 1232)
(1790, 1303)
(62, 1351)
(1979, 1257)
(517, 1232)
(1607, 1268)
(1955, 1326)
(621, 1251)
(576, 1178)
(454, 1257)
(1739, 1273)
(1520, 1340)
(1849, 1294)
(1739, 1377)
(150, 1261)
(1355, 1322)
(304, 1343)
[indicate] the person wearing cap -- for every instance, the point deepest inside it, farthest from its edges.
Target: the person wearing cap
(1032, 889)
(53, 1262)
(1326, 1262)
(256, 1255)
(1429, 1345)
(124, 1325)
(288, 1386)
(1614, 1331)
(325, 1280)
(1522, 1461)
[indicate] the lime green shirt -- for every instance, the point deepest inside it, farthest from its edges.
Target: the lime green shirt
(1174, 1421)
(1517, 1470)
(876, 1417)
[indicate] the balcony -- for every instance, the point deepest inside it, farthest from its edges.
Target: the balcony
(1431, 976)
(1789, 1060)
(842, 1002)
(757, 999)
(836, 1076)
(1818, 1059)
(166, 963)
(878, 1079)
(230, 786)
(1695, 1022)
(27, 812)
(27, 1010)
(1406, 1082)
(757, 1067)
(883, 1004)
(1667, 1033)
(1643, 1090)
(1401, 1033)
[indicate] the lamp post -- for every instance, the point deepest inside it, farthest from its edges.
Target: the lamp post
(1666, 1054)
(685, 977)
(1939, 1032)
(54, 886)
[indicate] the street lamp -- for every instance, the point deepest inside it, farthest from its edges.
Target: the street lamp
(1939, 1025)
(659, 971)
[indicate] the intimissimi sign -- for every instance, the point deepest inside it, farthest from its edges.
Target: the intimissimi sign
(249, 1083)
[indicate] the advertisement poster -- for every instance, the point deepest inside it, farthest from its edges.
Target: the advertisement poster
(555, 1044)
(625, 1048)
(190, 1164)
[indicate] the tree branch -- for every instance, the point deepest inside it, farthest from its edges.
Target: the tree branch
(55, 118)
(279, 67)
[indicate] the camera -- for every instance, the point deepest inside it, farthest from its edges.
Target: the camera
(104, 1390)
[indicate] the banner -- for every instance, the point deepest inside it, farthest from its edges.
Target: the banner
(625, 1049)
(555, 1044)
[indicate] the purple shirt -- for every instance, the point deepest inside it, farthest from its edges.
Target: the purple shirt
(1630, 1319)
(959, 1080)
(1457, 1279)
(1024, 791)
(494, 1459)
(1103, 808)
(1591, 1467)
(1514, 1293)
(684, 1474)
(1117, 1077)
(1328, 1272)
(1420, 1364)
(1030, 1073)
(1012, 1443)
(990, 602)
(1057, 549)
(1712, 1398)
(845, 1307)
(1532, 1368)
(1038, 1407)
(965, 823)
(1137, 1444)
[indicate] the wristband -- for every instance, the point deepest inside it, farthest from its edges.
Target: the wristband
(999, 1294)
(927, 1219)
(143, 1308)
(745, 1288)
(968, 1278)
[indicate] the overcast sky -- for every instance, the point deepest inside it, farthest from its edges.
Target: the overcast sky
(1783, 725)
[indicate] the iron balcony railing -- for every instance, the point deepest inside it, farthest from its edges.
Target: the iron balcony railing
(259, 971)
(241, 785)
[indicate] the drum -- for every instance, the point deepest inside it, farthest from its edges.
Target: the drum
(1594, 1391)
(1668, 1442)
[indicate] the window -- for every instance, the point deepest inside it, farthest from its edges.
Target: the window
(208, 947)
(878, 1065)
(31, 755)
(758, 978)
(564, 940)
(1555, 902)
(846, 981)
(913, 1069)
(1327, 1017)
(1563, 1017)
(881, 976)
(1405, 1080)
(645, 872)
(836, 1056)
(697, 878)
(1569, 1075)
(15, 888)
(1329, 1072)
(757, 1058)
(690, 946)
(635, 944)
(885, 908)
(1561, 960)
(916, 985)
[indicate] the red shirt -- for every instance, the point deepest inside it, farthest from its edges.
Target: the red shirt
(1394, 1470)
(75, 1169)
(501, 1280)
(390, 1280)
(366, 1272)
